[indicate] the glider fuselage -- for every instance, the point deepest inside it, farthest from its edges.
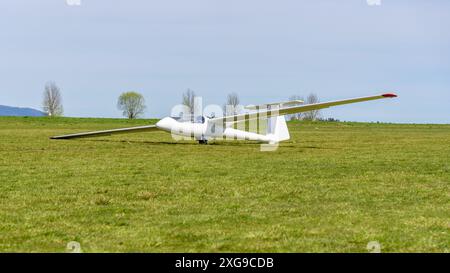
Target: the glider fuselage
(207, 131)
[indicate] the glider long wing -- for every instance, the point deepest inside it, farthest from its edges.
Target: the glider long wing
(139, 129)
(295, 109)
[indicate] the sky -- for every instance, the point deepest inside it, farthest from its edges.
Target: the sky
(264, 50)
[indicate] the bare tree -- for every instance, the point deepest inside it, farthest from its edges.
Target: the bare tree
(314, 114)
(232, 105)
(132, 104)
(298, 116)
(52, 100)
(189, 101)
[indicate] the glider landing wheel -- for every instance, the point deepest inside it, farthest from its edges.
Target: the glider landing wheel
(203, 141)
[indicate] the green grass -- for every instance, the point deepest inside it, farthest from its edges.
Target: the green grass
(333, 187)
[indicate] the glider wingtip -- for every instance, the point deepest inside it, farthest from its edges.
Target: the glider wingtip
(389, 95)
(57, 137)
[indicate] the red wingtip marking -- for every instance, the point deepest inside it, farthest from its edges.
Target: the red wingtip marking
(389, 95)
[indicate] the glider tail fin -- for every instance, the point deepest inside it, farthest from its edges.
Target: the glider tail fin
(277, 127)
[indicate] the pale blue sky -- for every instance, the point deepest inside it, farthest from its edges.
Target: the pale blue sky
(263, 50)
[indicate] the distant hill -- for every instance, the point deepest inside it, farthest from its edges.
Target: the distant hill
(17, 111)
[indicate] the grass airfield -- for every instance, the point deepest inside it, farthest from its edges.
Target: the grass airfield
(334, 187)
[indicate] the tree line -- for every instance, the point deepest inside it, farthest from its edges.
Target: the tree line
(132, 104)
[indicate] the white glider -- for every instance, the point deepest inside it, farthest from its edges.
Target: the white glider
(204, 128)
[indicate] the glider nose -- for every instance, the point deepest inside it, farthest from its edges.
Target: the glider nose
(165, 124)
